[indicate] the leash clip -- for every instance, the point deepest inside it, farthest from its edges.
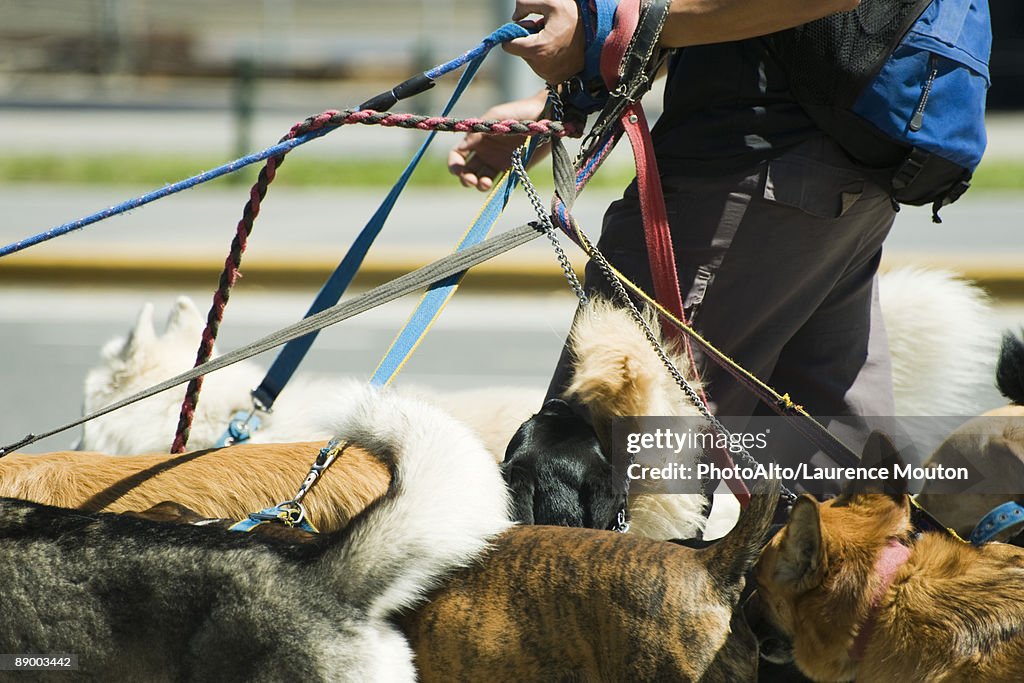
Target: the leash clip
(290, 513)
(243, 424)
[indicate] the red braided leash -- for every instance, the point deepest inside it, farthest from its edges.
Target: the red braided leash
(327, 120)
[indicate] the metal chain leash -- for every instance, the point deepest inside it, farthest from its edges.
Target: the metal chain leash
(545, 222)
(622, 516)
(620, 293)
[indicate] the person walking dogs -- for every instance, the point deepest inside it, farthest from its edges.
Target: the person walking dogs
(777, 233)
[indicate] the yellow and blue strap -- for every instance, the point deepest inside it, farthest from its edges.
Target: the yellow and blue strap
(438, 294)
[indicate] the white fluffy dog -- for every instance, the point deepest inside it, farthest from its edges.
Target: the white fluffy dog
(943, 339)
(308, 410)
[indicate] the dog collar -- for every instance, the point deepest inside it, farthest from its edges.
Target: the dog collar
(893, 556)
(998, 519)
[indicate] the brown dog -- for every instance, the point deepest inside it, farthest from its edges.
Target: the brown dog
(862, 598)
(993, 444)
(218, 482)
(561, 604)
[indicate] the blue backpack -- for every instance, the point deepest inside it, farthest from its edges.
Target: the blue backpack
(901, 86)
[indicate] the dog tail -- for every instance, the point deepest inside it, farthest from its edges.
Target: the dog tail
(731, 558)
(446, 499)
(941, 331)
(1010, 369)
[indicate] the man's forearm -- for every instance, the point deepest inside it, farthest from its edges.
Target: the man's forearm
(698, 22)
(556, 51)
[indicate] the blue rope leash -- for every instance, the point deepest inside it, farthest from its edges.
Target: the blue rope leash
(166, 191)
(423, 82)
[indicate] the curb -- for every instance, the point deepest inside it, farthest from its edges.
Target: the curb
(1001, 276)
(503, 274)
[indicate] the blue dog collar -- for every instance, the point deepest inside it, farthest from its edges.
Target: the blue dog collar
(996, 521)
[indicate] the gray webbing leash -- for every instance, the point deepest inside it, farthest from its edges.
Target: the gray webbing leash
(400, 286)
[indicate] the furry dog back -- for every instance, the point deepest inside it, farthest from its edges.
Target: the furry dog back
(141, 600)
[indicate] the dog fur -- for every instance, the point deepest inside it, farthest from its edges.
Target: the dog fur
(220, 482)
(993, 443)
(952, 612)
(557, 472)
(561, 604)
(942, 340)
(617, 375)
(935, 368)
(494, 618)
(622, 377)
(309, 409)
(558, 467)
(141, 600)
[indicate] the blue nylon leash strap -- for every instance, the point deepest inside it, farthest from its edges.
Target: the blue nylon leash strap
(291, 356)
(293, 353)
(439, 293)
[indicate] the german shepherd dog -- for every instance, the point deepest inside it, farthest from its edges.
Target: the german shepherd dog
(863, 597)
(146, 601)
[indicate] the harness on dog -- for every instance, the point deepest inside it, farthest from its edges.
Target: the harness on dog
(996, 521)
(292, 513)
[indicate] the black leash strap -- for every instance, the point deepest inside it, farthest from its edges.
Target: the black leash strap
(448, 266)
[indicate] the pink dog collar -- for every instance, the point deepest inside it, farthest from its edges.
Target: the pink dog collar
(893, 556)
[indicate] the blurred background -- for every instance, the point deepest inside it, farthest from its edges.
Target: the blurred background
(102, 100)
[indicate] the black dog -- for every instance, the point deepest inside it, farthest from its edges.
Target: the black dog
(558, 473)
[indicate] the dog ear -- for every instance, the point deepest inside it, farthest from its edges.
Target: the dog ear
(142, 335)
(185, 319)
(879, 452)
(800, 548)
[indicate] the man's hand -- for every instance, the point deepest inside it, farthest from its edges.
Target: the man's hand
(479, 158)
(555, 53)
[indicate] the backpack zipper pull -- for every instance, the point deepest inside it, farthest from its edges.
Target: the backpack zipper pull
(917, 121)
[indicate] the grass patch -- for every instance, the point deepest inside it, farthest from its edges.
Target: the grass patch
(155, 171)
(999, 175)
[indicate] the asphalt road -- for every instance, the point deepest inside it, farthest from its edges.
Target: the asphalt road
(50, 338)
